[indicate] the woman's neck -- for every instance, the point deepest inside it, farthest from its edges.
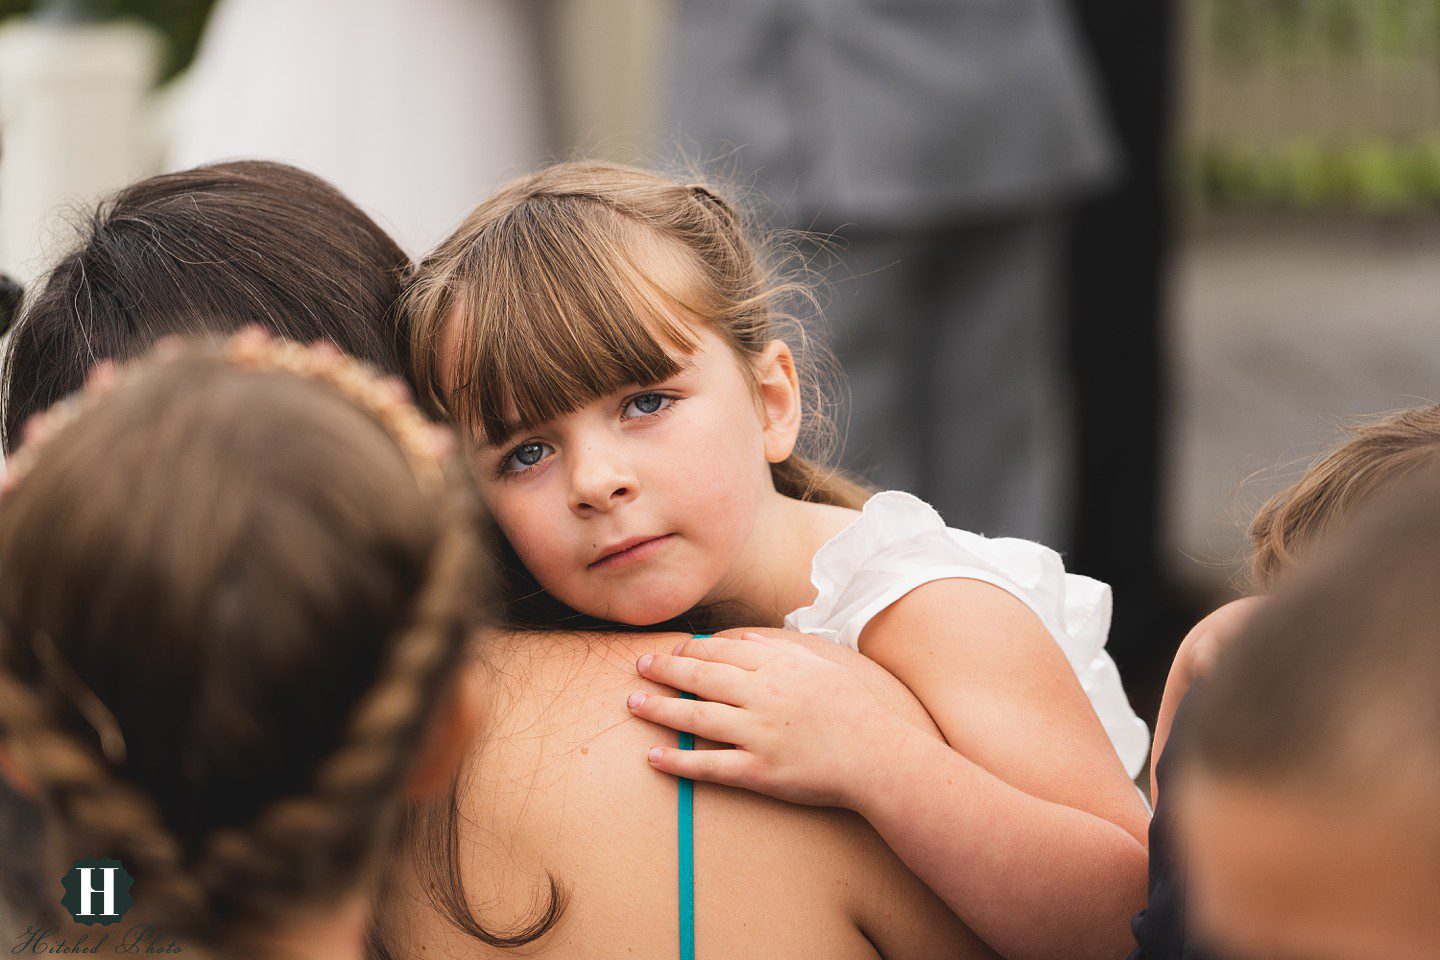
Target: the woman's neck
(335, 934)
(772, 574)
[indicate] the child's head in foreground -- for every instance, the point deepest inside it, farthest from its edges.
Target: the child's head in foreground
(238, 585)
(1377, 455)
(1310, 802)
(611, 339)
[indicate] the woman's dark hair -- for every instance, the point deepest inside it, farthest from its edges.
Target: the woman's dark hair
(11, 294)
(233, 598)
(207, 250)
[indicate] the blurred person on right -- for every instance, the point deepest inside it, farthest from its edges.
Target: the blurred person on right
(941, 144)
(1377, 457)
(1307, 805)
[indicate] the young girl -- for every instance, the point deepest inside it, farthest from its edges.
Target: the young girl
(239, 587)
(610, 338)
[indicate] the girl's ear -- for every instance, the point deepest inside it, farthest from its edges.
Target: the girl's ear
(14, 773)
(779, 399)
(452, 730)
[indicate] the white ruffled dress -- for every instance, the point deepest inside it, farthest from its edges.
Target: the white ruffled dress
(899, 542)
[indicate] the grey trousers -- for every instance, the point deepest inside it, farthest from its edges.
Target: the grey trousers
(951, 346)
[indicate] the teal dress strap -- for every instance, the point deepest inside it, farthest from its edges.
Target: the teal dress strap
(685, 845)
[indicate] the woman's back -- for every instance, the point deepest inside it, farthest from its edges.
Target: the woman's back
(559, 784)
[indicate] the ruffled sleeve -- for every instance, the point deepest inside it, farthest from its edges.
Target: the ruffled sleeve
(899, 543)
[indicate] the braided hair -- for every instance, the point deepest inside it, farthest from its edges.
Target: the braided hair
(236, 584)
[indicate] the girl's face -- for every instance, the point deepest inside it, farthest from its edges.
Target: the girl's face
(640, 504)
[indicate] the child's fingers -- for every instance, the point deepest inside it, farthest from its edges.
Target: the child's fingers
(102, 376)
(709, 681)
(782, 645)
(743, 653)
(731, 767)
(36, 429)
(713, 721)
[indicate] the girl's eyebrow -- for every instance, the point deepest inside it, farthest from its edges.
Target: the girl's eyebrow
(512, 433)
(683, 367)
(514, 430)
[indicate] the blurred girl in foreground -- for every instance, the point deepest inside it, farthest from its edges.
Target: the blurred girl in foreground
(240, 587)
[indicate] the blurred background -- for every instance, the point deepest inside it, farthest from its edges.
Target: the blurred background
(1102, 272)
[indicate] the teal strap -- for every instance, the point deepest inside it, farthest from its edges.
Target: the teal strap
(685, 821)
(685, 845)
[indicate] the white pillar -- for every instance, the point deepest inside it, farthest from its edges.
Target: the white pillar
(610, 76)
(416, 110)
(74, 126)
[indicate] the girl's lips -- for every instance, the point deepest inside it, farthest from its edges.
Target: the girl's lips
(643, 550)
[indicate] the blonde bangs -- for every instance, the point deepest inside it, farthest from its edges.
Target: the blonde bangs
(583, 279)
(562, 307)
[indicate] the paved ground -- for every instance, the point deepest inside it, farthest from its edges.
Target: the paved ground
(1283, 328)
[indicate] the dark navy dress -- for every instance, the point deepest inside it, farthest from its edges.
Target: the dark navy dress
(1160, 928)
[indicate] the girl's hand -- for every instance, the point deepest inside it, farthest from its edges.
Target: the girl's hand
(805, 730)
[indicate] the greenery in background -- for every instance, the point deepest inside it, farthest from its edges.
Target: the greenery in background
(1249, 32)
(179, 20)
(1363, 174)
(1334, 41)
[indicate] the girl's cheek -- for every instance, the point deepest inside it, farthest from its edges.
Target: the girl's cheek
(540, 551)
(717, 480)
(523, 521)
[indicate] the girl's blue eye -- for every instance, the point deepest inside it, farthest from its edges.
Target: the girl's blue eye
(646, 404)
(525, 456)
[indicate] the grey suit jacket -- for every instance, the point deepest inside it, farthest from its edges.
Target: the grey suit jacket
(890, 113)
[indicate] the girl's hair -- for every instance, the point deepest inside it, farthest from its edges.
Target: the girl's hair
(236, 584)
(211, 249)
(1377, 454)
(569, 283)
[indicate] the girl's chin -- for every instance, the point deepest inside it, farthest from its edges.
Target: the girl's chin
(644, 609)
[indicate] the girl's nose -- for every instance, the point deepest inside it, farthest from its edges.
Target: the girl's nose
(599, 483)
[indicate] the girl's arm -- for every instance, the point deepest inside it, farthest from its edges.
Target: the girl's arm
(1041, 854)
(1004, 696)
(1066, 828)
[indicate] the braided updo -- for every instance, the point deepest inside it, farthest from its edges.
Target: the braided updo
(233, 589)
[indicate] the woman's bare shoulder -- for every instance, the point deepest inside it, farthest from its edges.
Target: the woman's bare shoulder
(585, 671)
(561, 770)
